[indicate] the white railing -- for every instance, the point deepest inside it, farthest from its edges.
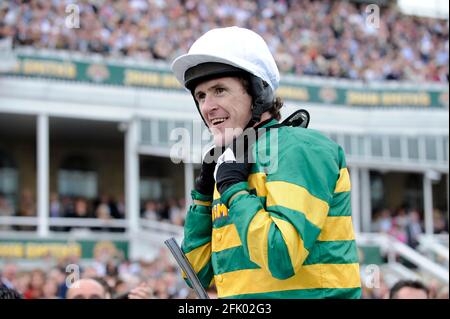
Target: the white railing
(393, 248)
(153, 225)
(403, 271)
(145, 224)
(18, 221)
(64, 221)
(433, 247)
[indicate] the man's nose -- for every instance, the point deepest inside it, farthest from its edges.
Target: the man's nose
(208, 105)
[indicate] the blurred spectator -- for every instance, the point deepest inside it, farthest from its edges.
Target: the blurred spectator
(8, 275)
(163, 210)
(56, 210)
(175, 213)
(27, 204)
(97, 288)
(36, 285)
(5, 210)
(143, 291)
(401, 217)
(383, 221)
(150, 211)
(86, 289)
(57, 276)
(121, 288)
(413, 228)
(103, 213)
(408, 289)
(8, 293)
(50, 289)
(27, 207)
(22, 281)
(398, 232)
(102, 208)
(106, 286)
(80, 209)
(440, 222)
(117, 211)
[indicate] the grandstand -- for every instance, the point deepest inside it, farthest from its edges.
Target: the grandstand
(92, 171)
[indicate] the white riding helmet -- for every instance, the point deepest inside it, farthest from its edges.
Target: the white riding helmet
(238, 47)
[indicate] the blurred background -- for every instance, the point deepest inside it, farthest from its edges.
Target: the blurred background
(88, 106)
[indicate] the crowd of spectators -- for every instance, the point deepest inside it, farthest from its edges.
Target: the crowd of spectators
(172, 210)
(157, 279)
(406, 224)
(160, 277)
(104, 208)
(318, 38)
(432, 289)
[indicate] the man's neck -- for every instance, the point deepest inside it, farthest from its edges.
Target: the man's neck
(264, 117)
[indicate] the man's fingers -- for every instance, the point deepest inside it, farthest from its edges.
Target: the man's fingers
(140, 292)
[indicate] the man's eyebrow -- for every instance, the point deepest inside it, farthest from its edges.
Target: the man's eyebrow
(213, 87)
(218, 84)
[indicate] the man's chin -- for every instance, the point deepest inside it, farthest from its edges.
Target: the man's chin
(223, 138)
(219, 140)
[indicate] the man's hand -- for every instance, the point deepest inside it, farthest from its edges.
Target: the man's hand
(143, 291)
(233, 166)
(204, 183)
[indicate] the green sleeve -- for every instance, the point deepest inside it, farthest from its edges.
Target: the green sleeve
(197, 237)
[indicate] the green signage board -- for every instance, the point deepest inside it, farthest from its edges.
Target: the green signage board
(320, 92)
(85, 249)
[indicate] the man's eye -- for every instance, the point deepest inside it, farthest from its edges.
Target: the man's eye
(200, 97)
(219, 90)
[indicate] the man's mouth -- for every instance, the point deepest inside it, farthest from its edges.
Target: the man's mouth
(219, 120)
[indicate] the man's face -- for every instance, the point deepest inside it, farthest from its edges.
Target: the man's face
(226, 107)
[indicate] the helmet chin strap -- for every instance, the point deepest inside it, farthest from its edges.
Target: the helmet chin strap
(262, 98)
(253, 121)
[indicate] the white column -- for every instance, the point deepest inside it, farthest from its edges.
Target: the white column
(188, 182)
(448, 202)
(355, 198)
(366, 201)
(42, 132)
(132, 176)
(428, 203)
